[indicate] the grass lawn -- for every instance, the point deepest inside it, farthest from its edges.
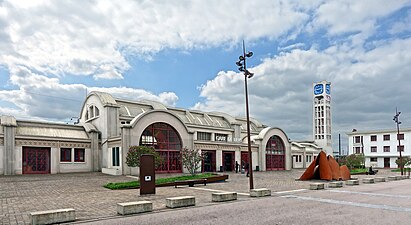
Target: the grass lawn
(136, 184)
(357, 171)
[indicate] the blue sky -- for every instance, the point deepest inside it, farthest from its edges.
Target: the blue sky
(183, 54)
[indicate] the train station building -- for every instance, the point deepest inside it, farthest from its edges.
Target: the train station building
(109, 126)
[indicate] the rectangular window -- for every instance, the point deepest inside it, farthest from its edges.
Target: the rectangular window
(386, 137)
(203, 136)
(357, 139)
(373, 148)
(116, 156)
(386, 148)
(373, 159)
(79, 155)
(400, 136)
(65, 154)
(373, 137)
(357, 150)
(400, 148)
(221, 137)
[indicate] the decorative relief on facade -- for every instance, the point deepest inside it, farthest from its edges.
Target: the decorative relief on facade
(53, 144)
(230, 148)
(203, 146)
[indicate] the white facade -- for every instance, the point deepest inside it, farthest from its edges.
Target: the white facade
(322, 116)
(304, 152)
(108, 127)
(380, 146)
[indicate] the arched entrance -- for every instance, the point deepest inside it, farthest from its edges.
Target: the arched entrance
(275, 154)
(166, 141)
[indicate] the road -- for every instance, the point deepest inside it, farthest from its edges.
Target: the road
(381, 203)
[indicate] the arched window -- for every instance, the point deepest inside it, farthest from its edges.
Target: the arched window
(166, 141)
(275, 153)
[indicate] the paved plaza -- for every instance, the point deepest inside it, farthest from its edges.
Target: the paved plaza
(22, 194)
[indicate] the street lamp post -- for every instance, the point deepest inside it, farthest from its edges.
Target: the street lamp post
(247, 74)
(398, 122)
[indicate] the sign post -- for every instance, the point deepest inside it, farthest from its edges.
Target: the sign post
(147, 175)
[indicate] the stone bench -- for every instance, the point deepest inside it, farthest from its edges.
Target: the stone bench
(398, 177)
(405, 177)
(261, 192)
(368, 180)
(335, 184)
(182, 201)
(392, 178)
(190, 183)
(53, 216)
(352, 182)
(223, 196)
(134, 207)
(316, 186)
(379, 179)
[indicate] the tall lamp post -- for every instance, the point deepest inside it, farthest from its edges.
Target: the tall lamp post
(398, 122)
(247, 74)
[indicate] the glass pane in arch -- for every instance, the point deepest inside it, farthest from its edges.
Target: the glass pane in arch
(167, 142)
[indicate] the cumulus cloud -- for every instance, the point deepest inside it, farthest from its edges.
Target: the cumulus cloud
(366, 87)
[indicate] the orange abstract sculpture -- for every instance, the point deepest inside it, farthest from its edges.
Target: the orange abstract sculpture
(345, 172)
(326, 168)
(335, 168)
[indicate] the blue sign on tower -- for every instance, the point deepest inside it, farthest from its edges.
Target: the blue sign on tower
(327, 89)
(318, 89)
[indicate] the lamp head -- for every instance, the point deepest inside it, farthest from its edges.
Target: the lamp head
(249, 54)
(239, 63)
(241, 69)
(241, 58)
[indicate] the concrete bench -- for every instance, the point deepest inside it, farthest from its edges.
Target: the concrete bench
(379, 179)
(261, 192)
(405, 177)
(352, 182)
(335, 184)
(190, 183)
(398, 177)
(392, 178)
(368, 180)
(182, 201)
(53, 216)
(224, 196)
(316, 186)
(134, 207)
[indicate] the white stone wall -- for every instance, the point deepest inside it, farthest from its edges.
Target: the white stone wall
(380, 143)
(70, 167)
(1, 160)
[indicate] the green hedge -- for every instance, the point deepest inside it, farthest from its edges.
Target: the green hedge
(136, 184)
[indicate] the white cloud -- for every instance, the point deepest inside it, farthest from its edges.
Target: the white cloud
(366, 86)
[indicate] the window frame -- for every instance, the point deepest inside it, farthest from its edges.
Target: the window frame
(387, 147)
(385, 137)
(373, 138)
(77, 155)
(115, 156)
(373, 148)
(63, 155)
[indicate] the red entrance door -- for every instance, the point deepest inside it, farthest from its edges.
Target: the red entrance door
(228, 161)
(36, 160)
(244, 159)
(275, 154)
(209, 160)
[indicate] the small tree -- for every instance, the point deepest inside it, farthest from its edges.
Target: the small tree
(406, 160)
(191, 159)
(135, 152)
(353, 161)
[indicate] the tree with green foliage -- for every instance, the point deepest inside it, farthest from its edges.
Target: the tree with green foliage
(191, 159)
(135, 152)
(406, 160)
(353, 161)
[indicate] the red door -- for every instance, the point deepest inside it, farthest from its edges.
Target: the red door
(209, 161)
(228, 161)
(36, 160)
(244, 159)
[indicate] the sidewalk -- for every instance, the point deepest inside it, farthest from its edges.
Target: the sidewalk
(22, 194)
